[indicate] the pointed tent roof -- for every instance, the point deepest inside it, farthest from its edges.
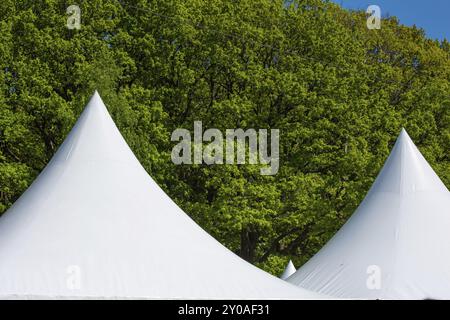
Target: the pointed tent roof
(288, 271)
(94, 224)
(396, 244)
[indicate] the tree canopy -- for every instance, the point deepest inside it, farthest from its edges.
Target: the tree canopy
(338, 92)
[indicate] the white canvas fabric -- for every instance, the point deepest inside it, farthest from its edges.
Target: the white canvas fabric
(397, 243)
(94, 225)
(288, 271)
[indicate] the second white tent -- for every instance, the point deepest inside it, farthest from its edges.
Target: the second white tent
(397, 243)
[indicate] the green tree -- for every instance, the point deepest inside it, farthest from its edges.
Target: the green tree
(338, 92)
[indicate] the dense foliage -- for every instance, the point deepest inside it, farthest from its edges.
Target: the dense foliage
(338, 92)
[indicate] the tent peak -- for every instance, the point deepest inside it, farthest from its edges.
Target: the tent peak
(288, 271)
(95, 97)
(95, 138)
(97, 107)
(406, 171)
(404, 136)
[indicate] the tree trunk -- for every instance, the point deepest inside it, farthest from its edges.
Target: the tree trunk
(249, 240)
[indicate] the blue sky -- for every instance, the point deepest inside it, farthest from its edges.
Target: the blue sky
(431, 15)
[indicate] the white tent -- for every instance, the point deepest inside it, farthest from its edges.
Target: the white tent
(288, 271)
(397, 243)
(95, 225)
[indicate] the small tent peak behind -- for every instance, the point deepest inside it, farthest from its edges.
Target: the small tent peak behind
(288, 270)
